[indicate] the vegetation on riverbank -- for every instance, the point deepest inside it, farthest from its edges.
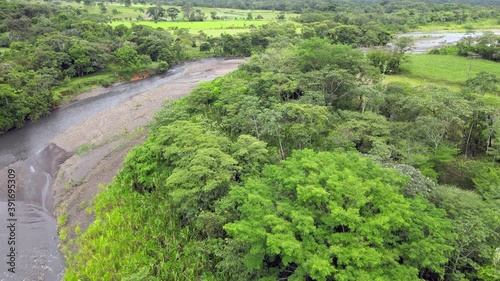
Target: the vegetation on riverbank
(259, 175)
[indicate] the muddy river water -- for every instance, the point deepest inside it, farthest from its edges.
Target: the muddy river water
(425, 41)
(31, 161)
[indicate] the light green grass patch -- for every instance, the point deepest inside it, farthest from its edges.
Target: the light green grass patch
(84, 149)
(62, 220)
(490, 99)
(417, 81)
(2, 49)
(446, 69)
(85, 83)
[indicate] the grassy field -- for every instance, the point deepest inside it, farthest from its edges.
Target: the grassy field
(135, 10)
(417, 81)
(447, 71)
(451, 71)
(3, 49)
(209, 27)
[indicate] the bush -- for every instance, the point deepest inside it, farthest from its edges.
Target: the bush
(105, 82)
(205, 47)
(446, 50)
(387, 61)
(162, 67)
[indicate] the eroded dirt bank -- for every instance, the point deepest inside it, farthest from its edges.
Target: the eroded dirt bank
(109, 136)
(71, 165)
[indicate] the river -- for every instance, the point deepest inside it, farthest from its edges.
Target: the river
(30, 154)
(426, 41)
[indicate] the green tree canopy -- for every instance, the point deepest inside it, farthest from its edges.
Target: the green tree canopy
(331, 215)
(173, 12)
(156, 12)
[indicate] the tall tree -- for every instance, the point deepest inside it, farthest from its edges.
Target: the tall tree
(186, 10)
(173, 12)
(197, 15)
(156, 12)
(213, 15)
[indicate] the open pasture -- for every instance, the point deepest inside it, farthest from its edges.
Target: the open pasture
(131, 13)
(442, 70)
(232, 21)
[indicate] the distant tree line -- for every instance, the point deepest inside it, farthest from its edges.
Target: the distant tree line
(388, 6)
(402, 15)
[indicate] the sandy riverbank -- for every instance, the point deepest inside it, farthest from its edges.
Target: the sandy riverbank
(109, 136)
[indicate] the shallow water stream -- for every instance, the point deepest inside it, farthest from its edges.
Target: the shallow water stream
(426, 41)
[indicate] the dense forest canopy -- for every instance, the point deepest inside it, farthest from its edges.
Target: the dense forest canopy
(211, 174)
(304, 164)
(258, 176)
(46, 45)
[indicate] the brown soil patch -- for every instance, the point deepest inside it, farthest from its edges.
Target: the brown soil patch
(140, 75)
